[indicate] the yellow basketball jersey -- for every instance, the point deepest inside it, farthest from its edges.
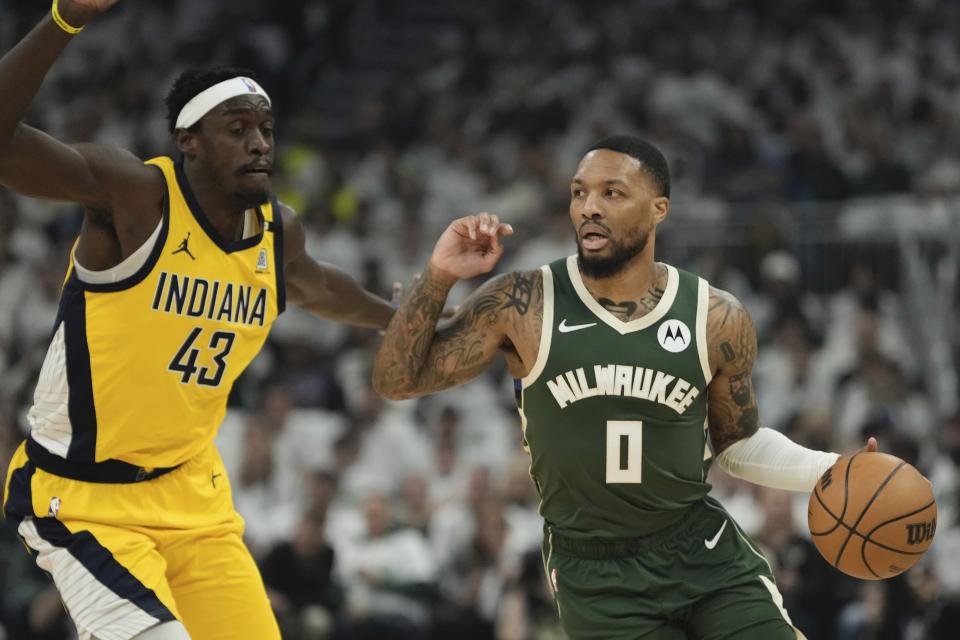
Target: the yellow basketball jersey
(139, 369)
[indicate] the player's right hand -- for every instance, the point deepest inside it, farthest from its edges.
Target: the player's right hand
(469, 247)
(77, 12)
(91, 6)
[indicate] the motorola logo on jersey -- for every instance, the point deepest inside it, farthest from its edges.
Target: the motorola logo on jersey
(674, 336)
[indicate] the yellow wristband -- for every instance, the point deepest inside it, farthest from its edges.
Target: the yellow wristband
(63, 23)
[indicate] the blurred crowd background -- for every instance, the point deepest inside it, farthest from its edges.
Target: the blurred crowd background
(815, 150)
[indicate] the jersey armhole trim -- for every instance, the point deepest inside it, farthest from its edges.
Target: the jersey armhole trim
(127, 267)
(546, 330)
(703, 308)
(159, 239)
(276, 225)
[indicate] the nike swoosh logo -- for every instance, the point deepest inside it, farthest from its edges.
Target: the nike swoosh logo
(712, 542)
(567, 328)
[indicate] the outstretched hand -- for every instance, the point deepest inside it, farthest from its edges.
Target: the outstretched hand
(469, 247)
(78, 12)
(89, 6)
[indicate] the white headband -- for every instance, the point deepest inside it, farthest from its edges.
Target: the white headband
(207, 99)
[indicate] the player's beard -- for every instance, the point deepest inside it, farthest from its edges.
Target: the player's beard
(244, 197)
(250, 198)
(252, 195)
(598, 267)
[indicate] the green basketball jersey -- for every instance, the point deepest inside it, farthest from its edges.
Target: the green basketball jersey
(614, 413)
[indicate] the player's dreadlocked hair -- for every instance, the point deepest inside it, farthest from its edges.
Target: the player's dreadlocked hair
(191, 82)
(651, 160)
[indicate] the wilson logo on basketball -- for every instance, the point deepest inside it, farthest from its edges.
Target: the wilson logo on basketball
(920, 532)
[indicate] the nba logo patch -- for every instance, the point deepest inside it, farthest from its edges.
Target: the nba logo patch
(262, 264)
(553, 580)
(54, 509)
(250, 84)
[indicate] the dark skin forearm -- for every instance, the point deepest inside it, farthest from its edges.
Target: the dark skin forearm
(324, 289)
(330, 293)
(354, 304)
(24, 67)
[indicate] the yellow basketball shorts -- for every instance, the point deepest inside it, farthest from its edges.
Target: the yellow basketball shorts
(126, 557)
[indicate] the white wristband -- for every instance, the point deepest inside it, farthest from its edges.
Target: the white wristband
(771, 459)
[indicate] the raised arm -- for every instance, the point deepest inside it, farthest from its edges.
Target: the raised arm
(35, 164)
(324, 289)
(416, 357)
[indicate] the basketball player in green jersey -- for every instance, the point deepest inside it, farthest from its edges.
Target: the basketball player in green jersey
(179, 271)
(632, 376)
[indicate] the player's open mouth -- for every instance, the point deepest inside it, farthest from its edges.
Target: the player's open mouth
(593, 241)
(592, 237)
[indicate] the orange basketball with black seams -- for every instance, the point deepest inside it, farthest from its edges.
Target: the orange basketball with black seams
(872, 515)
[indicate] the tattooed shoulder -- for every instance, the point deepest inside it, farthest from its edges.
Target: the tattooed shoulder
(722, 306)
(523, 302)
(521, 288)
(731, 337)
(732, 341)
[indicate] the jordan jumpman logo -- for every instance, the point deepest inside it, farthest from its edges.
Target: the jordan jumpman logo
(184, 248)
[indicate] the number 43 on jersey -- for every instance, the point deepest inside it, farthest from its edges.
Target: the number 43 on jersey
(185, 360)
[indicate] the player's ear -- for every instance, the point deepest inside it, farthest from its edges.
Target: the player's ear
(661, 206)
(186, 141)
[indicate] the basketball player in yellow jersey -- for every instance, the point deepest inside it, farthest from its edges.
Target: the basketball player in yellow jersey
(179, 271)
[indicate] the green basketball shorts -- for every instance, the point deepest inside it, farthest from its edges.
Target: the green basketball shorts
(701, 579)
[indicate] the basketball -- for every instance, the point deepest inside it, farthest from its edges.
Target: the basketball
(872, 515)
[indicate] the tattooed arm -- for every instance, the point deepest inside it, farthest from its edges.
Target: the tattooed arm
(416, 358)
(732, 347)
(744, 449)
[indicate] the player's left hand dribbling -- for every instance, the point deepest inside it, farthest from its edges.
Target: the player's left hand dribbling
(870, 447)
